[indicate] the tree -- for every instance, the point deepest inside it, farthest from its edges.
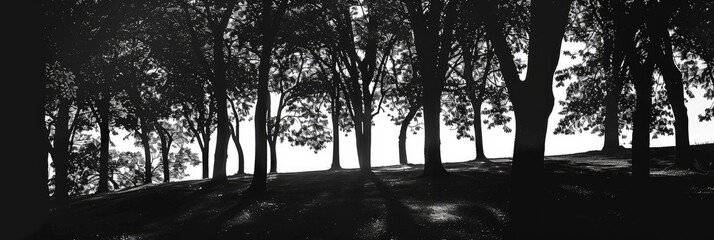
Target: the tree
(532, 103)
(366, 34)
(180, 43)
(405, 97)
(269, 23)
(433, 38)
(217, 15)
(468, 92)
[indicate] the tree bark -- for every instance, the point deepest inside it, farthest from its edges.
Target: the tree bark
(104, 105)
(403, 134)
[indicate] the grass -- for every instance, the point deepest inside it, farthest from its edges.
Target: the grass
(587, 196)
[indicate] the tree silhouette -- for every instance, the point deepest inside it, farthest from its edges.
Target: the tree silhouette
(433, 39)
(532, 103)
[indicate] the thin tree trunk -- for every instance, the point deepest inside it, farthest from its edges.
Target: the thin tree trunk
(403, 134)
(165, 148)
(104, 105)
(144, 135)
(258, 183)
(336, 106)
(273, 157)
(236, 140)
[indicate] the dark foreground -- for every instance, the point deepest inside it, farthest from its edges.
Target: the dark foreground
(588, 196)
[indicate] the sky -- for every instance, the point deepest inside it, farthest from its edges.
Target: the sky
(497, 144)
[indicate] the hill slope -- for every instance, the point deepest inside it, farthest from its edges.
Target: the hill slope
(588, 196)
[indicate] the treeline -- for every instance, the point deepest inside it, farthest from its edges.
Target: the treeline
(173, 72)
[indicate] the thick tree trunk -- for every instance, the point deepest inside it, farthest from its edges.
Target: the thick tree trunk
(273, 156)
(219, 92)
(433, 41)
(612, 111)
(641, 127)
(403, 134)
(61, 156)
(675, 96)
(104, 105)
(532, 102)
(366, 143)
(144, 135)
(432, 125)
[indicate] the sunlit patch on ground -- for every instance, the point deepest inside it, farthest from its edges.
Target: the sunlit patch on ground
(373, 229)
(440, 212)
(398, 168)
(674, 173)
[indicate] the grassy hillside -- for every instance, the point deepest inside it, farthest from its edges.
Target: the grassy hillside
(588, 196)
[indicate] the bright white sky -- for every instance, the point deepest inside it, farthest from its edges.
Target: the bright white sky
(497, 144)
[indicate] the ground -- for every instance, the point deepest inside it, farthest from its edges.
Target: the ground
(587, 196)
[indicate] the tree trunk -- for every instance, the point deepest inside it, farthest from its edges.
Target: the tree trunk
(641, 126)
(532, 103)
(403, 134)
(366, 143)
(478, 129)
(144, 135)
(61, 156)
(432, 126)
(239, 148)
(612, 111)
(273, 157)
(165, 148)
(205, 151)
(675, 96)
(219, 92)
(104, 105)
(236, 140)
(269, 25)
(336, 107)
